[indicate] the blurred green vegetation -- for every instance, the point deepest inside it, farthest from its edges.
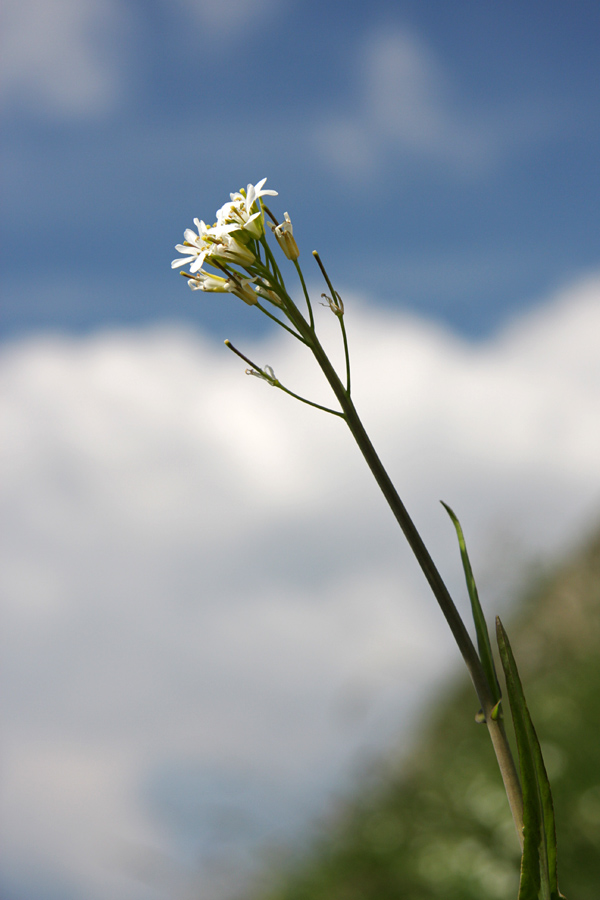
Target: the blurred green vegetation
(437, 825)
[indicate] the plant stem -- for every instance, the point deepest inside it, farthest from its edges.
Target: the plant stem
(346, 352)
(279, 322)
(306, 297)
(440, 591)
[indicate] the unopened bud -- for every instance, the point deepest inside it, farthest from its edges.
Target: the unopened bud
(285, 238)
(244, 292)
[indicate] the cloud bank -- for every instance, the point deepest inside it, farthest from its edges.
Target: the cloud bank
(405, 103)
(74, 59)
(64, 58)
(209, 619)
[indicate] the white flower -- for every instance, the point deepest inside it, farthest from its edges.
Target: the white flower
(225, 247)
(238, 285)
(238, 214)
(202, 281)
(285, 237)
(195, 247)
(215, 242)
(254, 191)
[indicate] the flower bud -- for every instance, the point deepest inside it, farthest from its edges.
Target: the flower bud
(243, 291)
(285, 238)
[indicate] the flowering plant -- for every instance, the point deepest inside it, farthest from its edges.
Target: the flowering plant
(238, 248)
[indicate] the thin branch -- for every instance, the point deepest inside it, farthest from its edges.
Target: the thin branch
(279, 322)
(346, 352)
(335, 295)
(269, 213)
(274, 382)
(309, 402)
(306, 297)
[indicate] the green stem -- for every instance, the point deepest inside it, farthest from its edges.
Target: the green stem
(486, 698)
(273, 261)
(326, 409)
(324, 273)
(279, 322)
(311, 318)
(275, 382)
(335, 296)
(346, 353)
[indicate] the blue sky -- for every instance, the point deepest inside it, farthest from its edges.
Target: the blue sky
(441, 156)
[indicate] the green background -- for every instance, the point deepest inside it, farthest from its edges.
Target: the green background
(437, 824)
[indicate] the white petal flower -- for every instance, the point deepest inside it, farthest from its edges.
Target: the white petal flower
(215, 242)
(254, 191)
(194, 247)
(238, 285)
(233, 217)
(202, 281)
(243, 211)
(226, 248)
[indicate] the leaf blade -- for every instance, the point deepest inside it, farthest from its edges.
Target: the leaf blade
(538, 865)
(484, 644)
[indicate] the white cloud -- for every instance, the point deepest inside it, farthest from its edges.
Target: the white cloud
(405, 103)
(227, 18)
(208, 614)
(68, 781)
(63, 57)
(75, 58)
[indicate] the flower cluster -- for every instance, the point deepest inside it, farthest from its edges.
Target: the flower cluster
(228, 242)
(236, 246)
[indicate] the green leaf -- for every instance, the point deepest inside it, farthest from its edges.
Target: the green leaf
(483, 637)
(538, 864)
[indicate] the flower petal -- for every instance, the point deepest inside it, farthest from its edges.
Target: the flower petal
(198, 262)
(181, 262)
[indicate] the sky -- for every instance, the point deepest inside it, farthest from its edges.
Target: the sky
(210, 625)
(442, 157)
